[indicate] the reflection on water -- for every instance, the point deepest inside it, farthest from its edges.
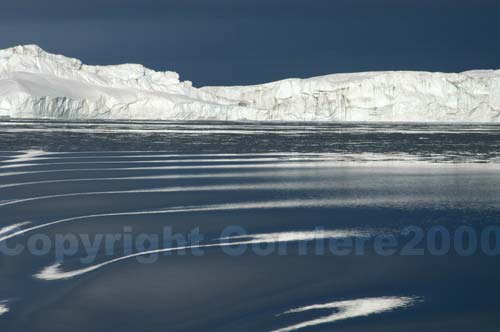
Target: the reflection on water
(3, 307)
(348, 309)
(293, 185)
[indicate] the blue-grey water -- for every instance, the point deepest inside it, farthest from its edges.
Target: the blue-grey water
(293, 226)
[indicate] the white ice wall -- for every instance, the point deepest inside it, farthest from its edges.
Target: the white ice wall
(37, 84)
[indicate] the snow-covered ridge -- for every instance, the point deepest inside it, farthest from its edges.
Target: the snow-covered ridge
(37, 84)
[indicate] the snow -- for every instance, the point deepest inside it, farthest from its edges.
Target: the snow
(37, 84)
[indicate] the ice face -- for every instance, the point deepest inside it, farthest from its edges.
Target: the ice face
(37, 84)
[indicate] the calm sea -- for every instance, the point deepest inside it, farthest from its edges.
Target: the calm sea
(211, 226)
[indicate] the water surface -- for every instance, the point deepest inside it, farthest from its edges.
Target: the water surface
(292, 188)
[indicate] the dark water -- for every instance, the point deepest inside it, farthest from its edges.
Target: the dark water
(304, 210)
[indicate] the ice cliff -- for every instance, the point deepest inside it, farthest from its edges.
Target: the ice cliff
(37, 84)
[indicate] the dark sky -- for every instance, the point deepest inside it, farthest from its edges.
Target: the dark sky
(226, 42)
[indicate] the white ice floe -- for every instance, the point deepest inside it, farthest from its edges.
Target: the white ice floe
(348, 309)
(37, 84)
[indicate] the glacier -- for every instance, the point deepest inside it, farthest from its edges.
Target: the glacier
(38, 84)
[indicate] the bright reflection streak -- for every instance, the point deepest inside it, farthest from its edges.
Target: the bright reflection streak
(349, 309)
